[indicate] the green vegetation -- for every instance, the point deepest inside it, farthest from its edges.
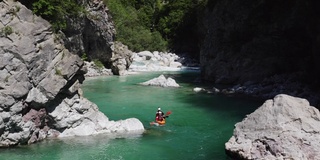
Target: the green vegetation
(58, 72)
(5, 31)
(140, 24)
(178, 23)
(133, 22)
(84, 57)
(56, 11)
(156, 24)
(98, 63)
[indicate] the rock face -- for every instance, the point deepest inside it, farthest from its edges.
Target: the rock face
(283, 128)
(91, 34)
(254, 39)
(161, 81)
(94, 70)
(39, 84)
(120, 62)
(121, 58)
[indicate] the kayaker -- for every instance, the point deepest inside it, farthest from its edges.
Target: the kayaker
(159, 115)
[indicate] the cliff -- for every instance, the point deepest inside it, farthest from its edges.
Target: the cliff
(252, 40)
(40, 81)
(92, 33)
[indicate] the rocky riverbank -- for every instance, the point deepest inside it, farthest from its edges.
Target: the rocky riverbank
(161, 81)
(144, 61)
(40, 81)
(270, 87)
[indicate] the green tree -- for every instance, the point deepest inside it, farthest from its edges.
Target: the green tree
(134, 21)
(177, 22)
(56, 11)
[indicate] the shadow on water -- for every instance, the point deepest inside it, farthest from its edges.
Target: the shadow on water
(225, 105)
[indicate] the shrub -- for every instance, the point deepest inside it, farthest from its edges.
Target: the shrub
(98, 63)
(56, 11)
(58, 72)
(134, 21)
(5, 31)
(84, 57)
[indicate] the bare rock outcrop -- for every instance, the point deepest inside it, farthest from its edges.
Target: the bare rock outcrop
(94, 70)
(285, 127)
(92, 33)
(40, 81)
(161, 81)
(121, 58)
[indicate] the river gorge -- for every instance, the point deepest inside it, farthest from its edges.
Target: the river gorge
(198, 128)
(265, 50)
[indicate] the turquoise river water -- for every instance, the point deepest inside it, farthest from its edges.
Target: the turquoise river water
(197, 129)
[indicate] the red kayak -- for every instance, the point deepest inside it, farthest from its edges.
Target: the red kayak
(163, 121)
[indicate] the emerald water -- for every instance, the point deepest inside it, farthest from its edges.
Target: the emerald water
(198, 127)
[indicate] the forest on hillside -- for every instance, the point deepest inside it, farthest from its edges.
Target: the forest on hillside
(157, 24)
(162, 25)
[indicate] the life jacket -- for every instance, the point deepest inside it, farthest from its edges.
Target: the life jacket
(159, 116)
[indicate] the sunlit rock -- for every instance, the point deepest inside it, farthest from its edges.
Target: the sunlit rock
(285, 127)
(40, 81)
(156, 61)
(161, 81)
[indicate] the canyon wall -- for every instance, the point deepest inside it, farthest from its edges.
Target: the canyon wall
(252, 40)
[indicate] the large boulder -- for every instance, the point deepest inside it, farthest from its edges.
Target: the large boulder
(285, 127)
(161, 81)
(79, 117)
(40, 81)
(121, 58)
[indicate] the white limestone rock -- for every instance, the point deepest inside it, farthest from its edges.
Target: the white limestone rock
(83, 118)
(285, 127)
(198, 89)
(156, 61)
(161, 81)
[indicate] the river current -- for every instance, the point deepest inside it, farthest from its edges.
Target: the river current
(198, 128)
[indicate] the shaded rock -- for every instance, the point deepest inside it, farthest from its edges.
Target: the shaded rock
(285, 84)
(161, 81)
(253, 40)
(1, 125)
(92, 33)
(282, 128)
